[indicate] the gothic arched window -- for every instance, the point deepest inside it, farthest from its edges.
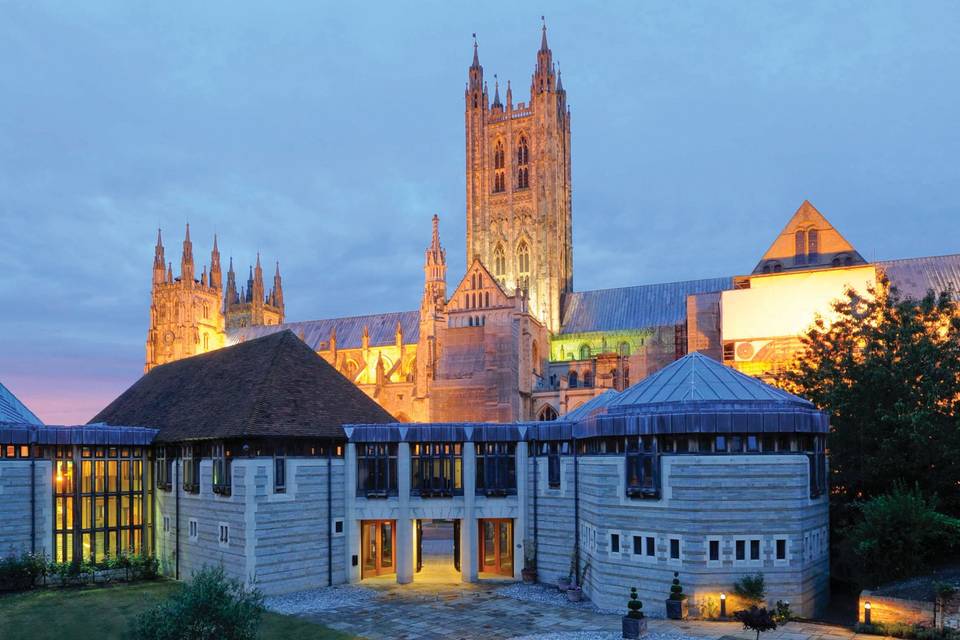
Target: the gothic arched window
(547, 414)
(813, 246)
(572, 380)
(499, 173)
(800, 251)
(588, 379)
(585, 352)
(523, 268)
(523, 161)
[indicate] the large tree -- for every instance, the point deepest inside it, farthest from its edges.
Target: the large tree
(887, 370)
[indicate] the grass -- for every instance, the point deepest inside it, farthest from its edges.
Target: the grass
(105, 612)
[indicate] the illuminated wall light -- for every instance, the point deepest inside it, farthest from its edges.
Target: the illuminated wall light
(866, 612)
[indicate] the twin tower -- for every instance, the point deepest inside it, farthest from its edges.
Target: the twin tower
(189, 316)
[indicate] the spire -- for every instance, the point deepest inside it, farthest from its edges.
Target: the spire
(169, 272)
(249, 291)
(496, 93)
(215, 275)
(230, 296)
(543, 38)
(435, 271)
(159, 262)
(186, 262)
(476, 57)
(258, 293)
(559, 82)
(509, 96)
(543, 75)
(276, 295)
(475, 89)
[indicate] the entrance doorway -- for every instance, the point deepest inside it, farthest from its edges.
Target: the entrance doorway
(438, 551)
(496, 546)
(378, 541)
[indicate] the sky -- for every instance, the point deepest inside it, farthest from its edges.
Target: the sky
(326, 135)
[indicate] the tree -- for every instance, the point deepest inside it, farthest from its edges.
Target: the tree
(210, 607)
(901, 534)
(756, 619)
(887, 370)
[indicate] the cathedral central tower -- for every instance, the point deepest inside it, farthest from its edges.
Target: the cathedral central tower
(519, 205)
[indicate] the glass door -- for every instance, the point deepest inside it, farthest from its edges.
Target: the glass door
(377, 540)
(496, 546)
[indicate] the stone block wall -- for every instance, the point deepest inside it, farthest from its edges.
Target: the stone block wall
(888, 610)
(15, 523)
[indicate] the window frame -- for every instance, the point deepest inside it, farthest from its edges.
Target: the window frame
(429, 458)
(377, 469)
(496, 468)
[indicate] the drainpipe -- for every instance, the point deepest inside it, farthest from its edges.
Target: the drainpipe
(330, 514)
(536, 519)
(33, 503)
(176, 552)
(576, 510)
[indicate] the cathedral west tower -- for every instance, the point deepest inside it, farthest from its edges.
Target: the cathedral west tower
(519, 207)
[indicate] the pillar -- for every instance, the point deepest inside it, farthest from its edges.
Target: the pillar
(351, 531)
(469, 551)
(405, 539)
(520, 524)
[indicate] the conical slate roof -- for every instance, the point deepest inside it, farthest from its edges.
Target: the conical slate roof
(697, 378)
(272, 386)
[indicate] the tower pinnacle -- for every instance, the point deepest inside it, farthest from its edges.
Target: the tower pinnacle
(159, 262)
(186, 261)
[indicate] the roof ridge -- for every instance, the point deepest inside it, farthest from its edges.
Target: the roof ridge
(655, 284)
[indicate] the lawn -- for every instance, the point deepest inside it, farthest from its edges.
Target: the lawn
(104, 612)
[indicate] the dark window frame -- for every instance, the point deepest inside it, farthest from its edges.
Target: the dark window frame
(436, 469)
(377, 469)
(642, 468)
(496, 473)
(221, 472)
(190, 460)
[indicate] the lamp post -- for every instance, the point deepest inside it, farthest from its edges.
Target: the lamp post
(723, 605)
(866, 612)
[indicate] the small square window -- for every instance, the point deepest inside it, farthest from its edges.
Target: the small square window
(754, 549)
(781, 549)
(674, 549)
(714, 550)
(720, 444)
(615, 543)
(193, 529)
(741, 550)
(637, 545)
(166, 524)
(224, 535)
(338, 526)
(651, 546)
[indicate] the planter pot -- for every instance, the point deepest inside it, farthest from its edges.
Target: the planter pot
(677, 609)
(563, 584)
(529, 576)
(633, 628)
(574, 594)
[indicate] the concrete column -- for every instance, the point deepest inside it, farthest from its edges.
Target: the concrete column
(469, 551)
(405, 539)
(351, 528)
(520, 524)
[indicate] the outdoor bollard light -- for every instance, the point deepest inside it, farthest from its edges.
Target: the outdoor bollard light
(723, 605)
(866, 612)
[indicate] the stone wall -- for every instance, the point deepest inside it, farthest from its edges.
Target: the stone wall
(886, 610)
(15, 524)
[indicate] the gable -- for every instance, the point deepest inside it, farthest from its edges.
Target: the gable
(478, 290)
(808, 241)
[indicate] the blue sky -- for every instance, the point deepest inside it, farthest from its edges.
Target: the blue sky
(327, 137)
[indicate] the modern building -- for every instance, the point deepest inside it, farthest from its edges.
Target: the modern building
(513, 340)
(262, 458)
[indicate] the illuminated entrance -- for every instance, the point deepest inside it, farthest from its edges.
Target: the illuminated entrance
(496, 546)
(378, 540)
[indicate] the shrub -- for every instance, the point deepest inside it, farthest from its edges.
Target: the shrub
(907, 631)
(210, 607)
(752, 589)
(900, 534)
(635, 605)
(782, 613)
(756, 619)
(19, 573)
(676, 589)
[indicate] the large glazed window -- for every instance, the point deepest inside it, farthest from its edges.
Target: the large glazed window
(221, 469)
(437, 469)
(523, 268)
(190, 459)
(496, 468)
(499, 263)
(642, 467)
(377, 469)
(110, 495)
(499, 172)
(523, 164)
(164, 468)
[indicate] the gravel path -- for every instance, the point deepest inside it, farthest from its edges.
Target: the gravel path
(600, 635)
(546, 594)
(320, 600)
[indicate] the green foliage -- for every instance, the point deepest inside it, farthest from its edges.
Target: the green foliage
(19, 573)
(908, 631)
(900, 534)
(756, 619)
(210, 607)
(676, 589)
(888, 373)
(634, 605)
(782, 612)
(752, 589)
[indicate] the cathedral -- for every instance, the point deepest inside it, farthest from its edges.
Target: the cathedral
(513, 340)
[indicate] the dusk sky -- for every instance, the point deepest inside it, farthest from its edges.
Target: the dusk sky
(326, 136)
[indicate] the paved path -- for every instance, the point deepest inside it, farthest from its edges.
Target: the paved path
(446, 610)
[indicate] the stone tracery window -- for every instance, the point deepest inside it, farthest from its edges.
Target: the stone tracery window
(800, 250)
(523, 161)
(499, 263)
(499, 173)
(523, 268)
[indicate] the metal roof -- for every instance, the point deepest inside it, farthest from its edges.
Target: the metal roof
(913, 277)
(696, 377)
(12, 410)
(641, 307)
(87, 434)
(316, 333)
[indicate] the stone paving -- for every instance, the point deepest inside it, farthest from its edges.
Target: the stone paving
(441, 608)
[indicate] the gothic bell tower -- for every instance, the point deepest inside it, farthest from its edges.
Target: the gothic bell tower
(519, 199)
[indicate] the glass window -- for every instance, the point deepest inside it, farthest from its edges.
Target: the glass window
(637, 545)
(191, 468)
(279, 469)
(754, 549)
(221, 469)
(674, 549)
(741, 550)
(781, 549)
(615, 542)
(377, 469)
(496, 468)
(642, 467)
(714, 550)
(651, 546)
(437, 469)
